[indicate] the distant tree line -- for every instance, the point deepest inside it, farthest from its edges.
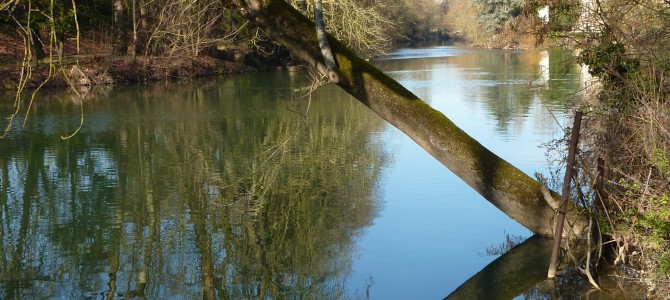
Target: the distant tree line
(193, 28)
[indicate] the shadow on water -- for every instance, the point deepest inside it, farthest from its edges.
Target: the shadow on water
(512, 274)
(521, 273)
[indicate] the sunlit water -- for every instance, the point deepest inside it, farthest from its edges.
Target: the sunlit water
(222, 188)
(434, 231)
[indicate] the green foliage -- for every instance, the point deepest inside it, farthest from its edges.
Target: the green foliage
(664, 262)
(64, 18)
(660, 160)
(604, 225)
(94, 14)
(650, 218)
(609, 61)
(45, 15)
(618, 71)
(656, 223)
(657, 217)
(564, 14)
(498, 13)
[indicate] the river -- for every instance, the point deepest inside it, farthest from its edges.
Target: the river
(246, 187)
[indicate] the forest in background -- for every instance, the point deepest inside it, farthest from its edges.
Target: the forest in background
(195, 28)
(207, 28)
(110, 41)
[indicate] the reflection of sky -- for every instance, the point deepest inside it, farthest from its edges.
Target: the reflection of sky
(412, 53)
(433, 227)
(427, 239)
(464, 95)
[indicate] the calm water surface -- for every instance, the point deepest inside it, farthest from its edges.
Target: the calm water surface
(222, 188)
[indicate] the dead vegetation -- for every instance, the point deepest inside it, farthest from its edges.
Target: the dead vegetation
(628, 136)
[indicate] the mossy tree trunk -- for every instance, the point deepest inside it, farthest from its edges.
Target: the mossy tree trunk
(505, 186)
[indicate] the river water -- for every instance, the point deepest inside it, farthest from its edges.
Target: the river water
(245, 187)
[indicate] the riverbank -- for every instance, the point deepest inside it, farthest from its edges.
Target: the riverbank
(104, 70)
(147, 139)
(94, 65)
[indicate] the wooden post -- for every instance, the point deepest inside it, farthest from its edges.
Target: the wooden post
(601, 197)
(572, 150)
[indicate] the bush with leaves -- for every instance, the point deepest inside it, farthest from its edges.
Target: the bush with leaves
(629, 128)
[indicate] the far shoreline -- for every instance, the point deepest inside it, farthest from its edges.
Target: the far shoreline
(112, 70)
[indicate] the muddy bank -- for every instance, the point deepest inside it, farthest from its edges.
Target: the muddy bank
(104, 70)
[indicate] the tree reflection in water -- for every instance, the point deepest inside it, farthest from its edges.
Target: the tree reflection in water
(180, 190)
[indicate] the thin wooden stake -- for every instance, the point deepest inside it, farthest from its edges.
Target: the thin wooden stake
(572, 150)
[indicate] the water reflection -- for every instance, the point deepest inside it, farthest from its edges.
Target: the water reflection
(510, 275)
(427, 241)
(508, 84)
(211, 189)
(521, 273)
(219, 189)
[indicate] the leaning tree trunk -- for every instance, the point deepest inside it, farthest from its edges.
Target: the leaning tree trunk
(505, 186)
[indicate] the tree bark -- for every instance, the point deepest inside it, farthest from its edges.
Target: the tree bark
(36, 42)
(508, 188)
(121, 36)
(144, 28)
(322, 35)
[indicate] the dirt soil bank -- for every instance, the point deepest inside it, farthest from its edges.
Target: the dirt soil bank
(103, 70)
